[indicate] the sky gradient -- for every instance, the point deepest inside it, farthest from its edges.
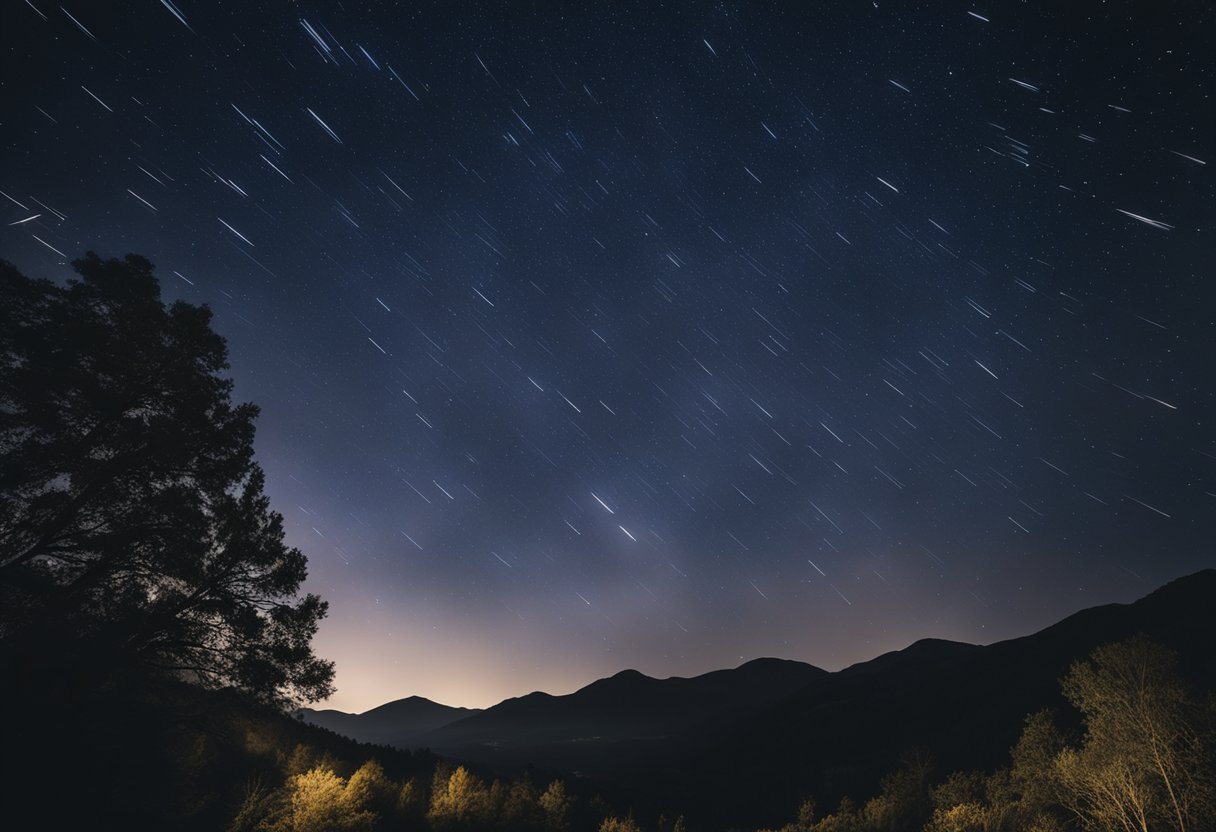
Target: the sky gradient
(666, 338)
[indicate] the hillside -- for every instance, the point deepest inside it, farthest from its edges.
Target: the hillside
(142, 751)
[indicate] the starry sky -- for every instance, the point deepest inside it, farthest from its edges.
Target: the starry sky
(666, 336)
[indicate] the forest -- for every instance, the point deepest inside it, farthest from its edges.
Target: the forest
(154, 640)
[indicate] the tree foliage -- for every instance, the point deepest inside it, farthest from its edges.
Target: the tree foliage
(1143, 763)
(1146, 762)
(369, 788)
(1032, 777)
(558, 807)
(521, 808)
(459, 801)
(320, 802)
(132, 511)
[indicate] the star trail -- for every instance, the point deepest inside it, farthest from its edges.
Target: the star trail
(666, 337)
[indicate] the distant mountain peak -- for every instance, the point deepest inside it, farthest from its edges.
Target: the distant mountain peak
(925, 651)
(396, 722)
(774, 663)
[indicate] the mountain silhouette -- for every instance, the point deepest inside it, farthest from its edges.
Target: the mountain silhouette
(615, 714)
(962, 705)
(626, 708)
(398, 723)
(771, 732)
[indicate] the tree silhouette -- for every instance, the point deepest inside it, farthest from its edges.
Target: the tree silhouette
(132, 512)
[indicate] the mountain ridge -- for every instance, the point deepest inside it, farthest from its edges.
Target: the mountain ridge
(856, 667)
(966, 711)
(771, 717)
(396, 723)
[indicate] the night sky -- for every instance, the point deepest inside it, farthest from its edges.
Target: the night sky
(666, 337)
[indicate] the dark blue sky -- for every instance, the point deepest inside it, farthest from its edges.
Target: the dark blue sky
(666, 337)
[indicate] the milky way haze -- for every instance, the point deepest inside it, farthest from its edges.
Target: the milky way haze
(620, 336)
